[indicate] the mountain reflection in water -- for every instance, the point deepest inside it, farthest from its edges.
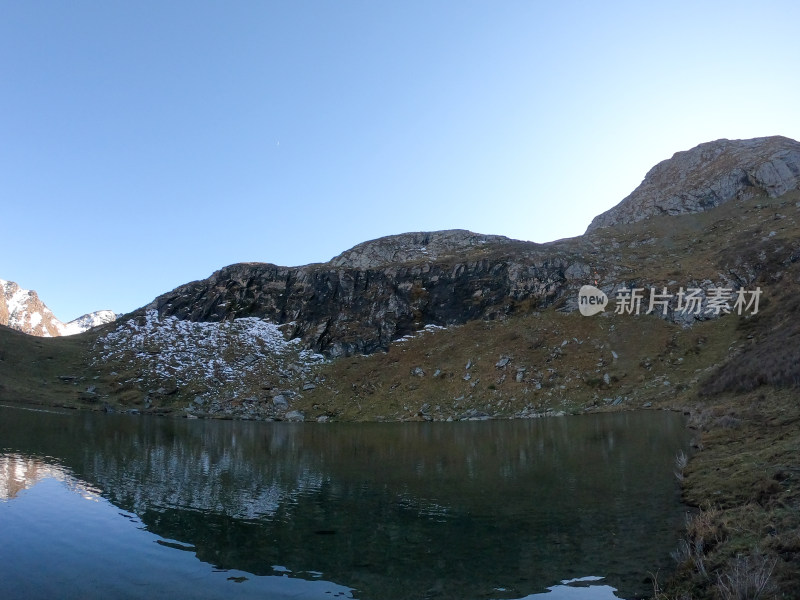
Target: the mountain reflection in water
(493, 509)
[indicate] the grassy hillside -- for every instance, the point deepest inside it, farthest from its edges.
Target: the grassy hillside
(49, 371)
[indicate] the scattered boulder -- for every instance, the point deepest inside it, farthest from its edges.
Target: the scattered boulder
(295, 416)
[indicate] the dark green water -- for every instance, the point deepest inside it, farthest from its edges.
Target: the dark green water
(100, 506)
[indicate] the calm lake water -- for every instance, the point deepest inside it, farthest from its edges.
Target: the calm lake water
(117, 506)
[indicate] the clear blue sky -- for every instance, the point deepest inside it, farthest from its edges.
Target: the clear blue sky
(147, 144)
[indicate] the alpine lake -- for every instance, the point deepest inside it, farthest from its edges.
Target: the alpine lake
(97, 505)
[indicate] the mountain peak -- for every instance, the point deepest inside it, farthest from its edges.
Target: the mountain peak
(709, 175)
(24, 311)
(414, 246)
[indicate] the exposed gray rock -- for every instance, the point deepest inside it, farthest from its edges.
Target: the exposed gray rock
(295, 415)
(280, 402)
(502, 362)
(709, 175)
(413, 247)
(473, 414)
(344, 310)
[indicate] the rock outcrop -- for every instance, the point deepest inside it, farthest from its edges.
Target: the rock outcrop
(709, 175)
(414, 247)
(382, 290)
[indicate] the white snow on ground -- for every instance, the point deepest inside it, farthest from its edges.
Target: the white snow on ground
(215, 353)
(87, 321)
(421, 332)
(36, 318)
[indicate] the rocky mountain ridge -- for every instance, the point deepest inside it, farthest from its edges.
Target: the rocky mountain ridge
(359, 304)
(414, 247)
(708, 175)
(24, 311)
(383, 289)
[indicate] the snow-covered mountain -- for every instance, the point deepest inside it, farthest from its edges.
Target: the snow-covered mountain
(87, 321)
(23, 310)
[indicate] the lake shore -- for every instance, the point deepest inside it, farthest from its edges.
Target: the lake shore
(743, 540)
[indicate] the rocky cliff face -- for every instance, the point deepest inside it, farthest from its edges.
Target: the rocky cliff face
(22, 310)
(381, 290)
(709, 175)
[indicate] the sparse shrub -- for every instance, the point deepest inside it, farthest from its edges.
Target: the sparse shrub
(748, 578)
(681, 460)
(728, 422)
(691, 553)
(594, 382)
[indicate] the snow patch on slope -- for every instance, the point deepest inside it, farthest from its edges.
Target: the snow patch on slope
(222, 361)
(87, 321)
